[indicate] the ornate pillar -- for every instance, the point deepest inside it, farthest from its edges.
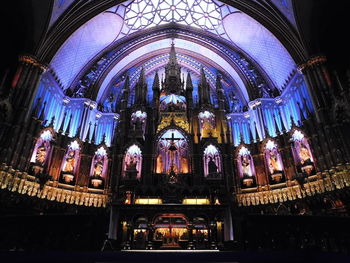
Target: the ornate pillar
(150, 236)
(190, 236)
(113, 223)
(316, 83)
(320, 89)
(22, 95)
(213, 234)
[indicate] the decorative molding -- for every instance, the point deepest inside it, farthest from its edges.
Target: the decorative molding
(21, 182)
(311, 62)
(33, 61)
(326, 181)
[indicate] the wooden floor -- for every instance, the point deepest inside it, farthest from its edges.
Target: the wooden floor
(174, 256)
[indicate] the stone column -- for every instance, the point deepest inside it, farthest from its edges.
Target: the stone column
(150, 237)
(113, 223)
(190, 236)
(21, 97)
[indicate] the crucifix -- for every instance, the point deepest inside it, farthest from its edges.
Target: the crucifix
(172, 148)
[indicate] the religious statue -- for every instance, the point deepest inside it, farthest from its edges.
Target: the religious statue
(184, 165)
(247, 172)
(212, 167)
(274, 166)
(98, 169)
(131, 166)
(305, 160)
(160, 167)
(305, 155)
(274, 163)
(172, 175)
(96, 179)
(70, 162)
(41, 155)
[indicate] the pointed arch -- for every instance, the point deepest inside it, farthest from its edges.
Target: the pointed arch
(302, 153)
(212, 161)
(99, 167)
(273, 161)
(173, 151)
(43, 149)
(245, 166)
(132, 162)
(71, 162)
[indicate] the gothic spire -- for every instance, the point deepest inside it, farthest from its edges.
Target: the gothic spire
(172, 57)
(189, 84)
(87, 138)
(68, 126)
(94, 133)
(204, 93)
(292, 120)
(257, 138)
(36, 108)
(156, 85)
(52, 122)
(276, 125)
(283, 128)
(172, 82)
(241, 140)
(126, 86)
(60, 130)
(308, 113)
(266, 130)
(220, 92)
(77, 134)
(103, 138)
(42, 113)
(251, 138)
(141, 88)
(301, 113)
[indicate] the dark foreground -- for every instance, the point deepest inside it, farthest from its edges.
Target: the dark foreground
(173, 256)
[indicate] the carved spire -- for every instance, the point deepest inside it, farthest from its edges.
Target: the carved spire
(292, 121)
(77, 134)
(251, 137)
(220, 92)
(257, 138)
(156, 85)
(103, 138)
(87, 138)
(94, 133)
(222, 132)
(141, 89)
(283, 128)
(52, 122)
(241, 140)
(60, 130)
(36, 108)
(189, 84)
(266, 130)
(306, 108)
(126, 87)
(172, 82)
(172, 56)
(302, 117)
(68, 126)
(204, 93)
(42, 113)
(276, 125)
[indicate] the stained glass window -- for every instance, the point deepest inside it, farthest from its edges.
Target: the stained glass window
(205, 14)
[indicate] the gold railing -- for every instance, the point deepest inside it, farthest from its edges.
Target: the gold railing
(21, 182)
(323, 182)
